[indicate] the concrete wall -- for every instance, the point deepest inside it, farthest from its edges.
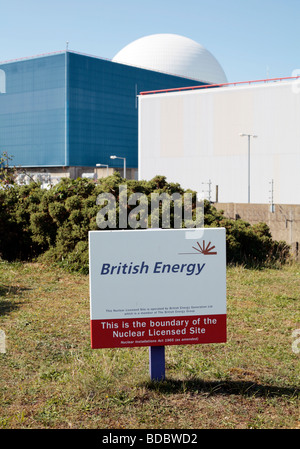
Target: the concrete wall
(56, 173)
(284, 222)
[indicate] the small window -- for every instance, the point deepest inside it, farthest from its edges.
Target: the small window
(2, 82)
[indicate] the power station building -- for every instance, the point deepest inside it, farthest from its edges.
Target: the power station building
(64, 113)
(238, 143)
(164, 106)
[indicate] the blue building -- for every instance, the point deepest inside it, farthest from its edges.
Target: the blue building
(66, 112)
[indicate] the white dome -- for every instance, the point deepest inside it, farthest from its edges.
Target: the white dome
(173, 54)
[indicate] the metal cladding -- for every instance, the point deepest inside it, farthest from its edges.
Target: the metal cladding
(68, 109)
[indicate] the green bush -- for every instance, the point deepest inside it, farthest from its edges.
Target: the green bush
(53, 224)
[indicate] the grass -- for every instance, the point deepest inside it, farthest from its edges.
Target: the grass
(50, 378)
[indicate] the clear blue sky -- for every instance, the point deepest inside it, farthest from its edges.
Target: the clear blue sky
(250, 38)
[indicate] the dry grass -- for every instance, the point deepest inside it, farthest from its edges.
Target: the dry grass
(50, 378)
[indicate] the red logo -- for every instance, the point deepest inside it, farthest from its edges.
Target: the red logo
(205, 250)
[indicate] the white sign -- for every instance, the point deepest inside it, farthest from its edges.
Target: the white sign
(157, 287)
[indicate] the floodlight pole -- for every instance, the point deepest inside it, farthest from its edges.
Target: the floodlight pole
(124, 159)
(248, 169)
(254, 136)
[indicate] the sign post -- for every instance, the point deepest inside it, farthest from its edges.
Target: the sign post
(157, 287)
(157, 362)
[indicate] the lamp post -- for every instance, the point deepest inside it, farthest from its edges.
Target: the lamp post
(124, 159)
(249, 136)
(103, 165)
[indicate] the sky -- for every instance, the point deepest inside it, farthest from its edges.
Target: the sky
(251, 39)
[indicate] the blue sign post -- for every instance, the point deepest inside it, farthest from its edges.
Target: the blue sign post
(157, 362)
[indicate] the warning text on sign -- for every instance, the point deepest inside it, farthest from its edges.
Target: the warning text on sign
(159, 331)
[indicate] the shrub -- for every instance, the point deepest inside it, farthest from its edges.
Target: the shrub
(53, 224)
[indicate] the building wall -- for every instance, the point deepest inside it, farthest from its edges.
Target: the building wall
(73, 110)
(193, 137)
(103, 109)
(283, 220)
(32, 111)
